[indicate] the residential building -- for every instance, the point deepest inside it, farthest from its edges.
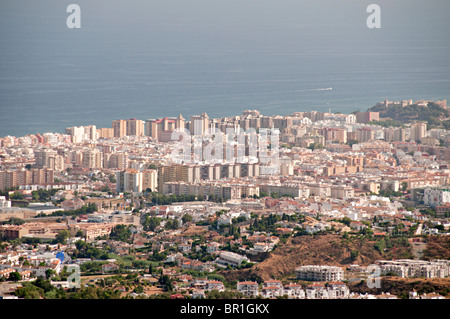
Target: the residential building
(320, 273)
(366, 117)
(248, 288)
(436, 196)
(229, 258)
(418, 131)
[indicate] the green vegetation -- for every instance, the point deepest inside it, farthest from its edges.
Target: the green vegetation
(121, 233)
(352, 142)
(87, 250)
(86, 209)
(388, 123)
(265, 223)
(160, 199)
(62, 236)
(315, 146)
(389, 245)
(43, 195)
(13, 221)
(171, 224)
(16, 196)
(433, 114)
(151, 222)
(389, 193)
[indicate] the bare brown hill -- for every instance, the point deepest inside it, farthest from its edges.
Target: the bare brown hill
(438, 247)
(326, 249)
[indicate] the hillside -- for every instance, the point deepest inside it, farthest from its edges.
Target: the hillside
(333, 250)
(438, 247)
(433, 114)
(308, 250)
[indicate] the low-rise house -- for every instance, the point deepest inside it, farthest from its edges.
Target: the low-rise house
(312, 228)
(64, 284)
(432, 296)
(185, 248)
(294, 291)
(56, 265)
(248, 288)
(316, 291)
(136, 295)
(200, 283)
(12, 231)
(229, 258)
(272, 283)
(386, 295)
(338, 290)
(357, 225)
(212, 247)
(119, 247)
(215, 285)
(198, 294)
(92, 231)
(271, 292)
(186, 279)
(4, 273)
(284, 230)
(109, 267)
(26, 274)
(262, 247)
(73, 204)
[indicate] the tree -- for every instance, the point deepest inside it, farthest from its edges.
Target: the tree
(166, 281)
(121, 232)
(315, 146)
(150, 269)
(186, 218)
(171, 224)
(112, 178)
(62, 236)
(29, 291)
(16, 221)
(354, 254)
(404, 186)
(139, 289)
(14, 276)
(380, 245)
(151, 223)
(17, 195)
(346, 221)
(351, 142)
(48, 273)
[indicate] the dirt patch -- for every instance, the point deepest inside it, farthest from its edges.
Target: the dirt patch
(194, 230)
(438, 247)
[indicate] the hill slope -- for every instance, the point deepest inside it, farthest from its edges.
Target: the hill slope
(433, 114)
(308, 250)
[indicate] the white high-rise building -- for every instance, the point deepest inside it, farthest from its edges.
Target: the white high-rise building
(129, 181)
(418, 131)
(199, 124)
(4, 203)
(436, 196)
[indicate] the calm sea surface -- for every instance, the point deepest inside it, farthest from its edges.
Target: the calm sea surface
(149, 59)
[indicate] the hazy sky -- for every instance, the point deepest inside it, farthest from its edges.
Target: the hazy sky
(220, 22)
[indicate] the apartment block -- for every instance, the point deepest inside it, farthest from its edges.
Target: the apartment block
(320, 273)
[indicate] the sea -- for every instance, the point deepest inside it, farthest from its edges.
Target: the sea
(156, 58)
